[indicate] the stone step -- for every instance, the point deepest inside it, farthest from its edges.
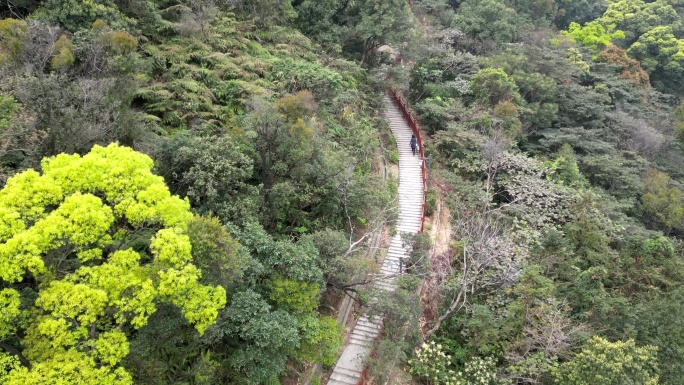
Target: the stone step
(409, 217)
(337, 378)
(386, 286)
(364, 334)
(415, 211)
(346, 371)
(412, 228)
(393, 268)
(365, 322)
(399, 252)
(360, 341)
(397, 243)
(392, 264)
(367, 329)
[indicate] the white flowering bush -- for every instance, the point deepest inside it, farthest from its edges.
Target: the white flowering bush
(480, 371)
(432, 365)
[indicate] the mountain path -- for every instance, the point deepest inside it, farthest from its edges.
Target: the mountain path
(349, 367)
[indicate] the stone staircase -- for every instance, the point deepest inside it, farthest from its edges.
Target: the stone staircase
(349, 367)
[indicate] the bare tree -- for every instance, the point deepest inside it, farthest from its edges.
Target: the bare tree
(196, 17)
(486, 260)
(494, 152)
(636, 134)
(375, 224)
(39, 47)
(547, 334)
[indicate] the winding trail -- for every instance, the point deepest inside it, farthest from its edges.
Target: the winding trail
(349, 367)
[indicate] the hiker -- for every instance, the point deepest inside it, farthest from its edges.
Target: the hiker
(414, 144)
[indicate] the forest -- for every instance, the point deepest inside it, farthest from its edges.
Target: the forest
(189, 189)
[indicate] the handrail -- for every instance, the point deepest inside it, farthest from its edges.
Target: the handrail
(415, 127)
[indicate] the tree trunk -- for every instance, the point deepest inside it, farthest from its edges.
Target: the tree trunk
(17, 353)
(452, 308)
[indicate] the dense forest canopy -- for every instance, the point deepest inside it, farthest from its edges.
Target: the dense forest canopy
(189, 187)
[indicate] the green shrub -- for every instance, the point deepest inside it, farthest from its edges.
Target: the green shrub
(430, 202)
(393, 156)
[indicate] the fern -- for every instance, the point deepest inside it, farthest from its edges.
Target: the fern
(272, 381)
(152, 94)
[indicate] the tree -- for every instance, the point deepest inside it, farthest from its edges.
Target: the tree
(679, 123)
(486, 258)
(593, 35)
(326, 23)
(538, 326)
(631, 68)
(357, 27)
(493, 86)
(220, 257)
(637, 17)
(19, 137)
(610, 363)
(661, 55)
(656, 322)
(288, 152)
(579, 11)
(564, 168)
(663, 202)
(487, 20)
(382, 22)
(506, 115)
(267, 12)
(88, 249)
(77, 91)
(258, 338)
(76, 15)
(12, 33)
(212, 172)
(539, 12)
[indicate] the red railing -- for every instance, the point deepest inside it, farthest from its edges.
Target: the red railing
(415, 127)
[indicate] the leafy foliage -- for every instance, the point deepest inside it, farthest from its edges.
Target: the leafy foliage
(74, 15)
(560, 145)
(487, 20)
(610, 363)
(593, 35)
(68, 233)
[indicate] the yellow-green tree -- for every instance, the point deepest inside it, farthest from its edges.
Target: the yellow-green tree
(662, 201)
(593, 35)
(87, 251)
(610, 363)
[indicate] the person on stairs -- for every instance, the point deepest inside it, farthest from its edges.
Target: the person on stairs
(414, 145)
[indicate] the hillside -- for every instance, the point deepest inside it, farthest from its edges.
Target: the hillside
(554, 129)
